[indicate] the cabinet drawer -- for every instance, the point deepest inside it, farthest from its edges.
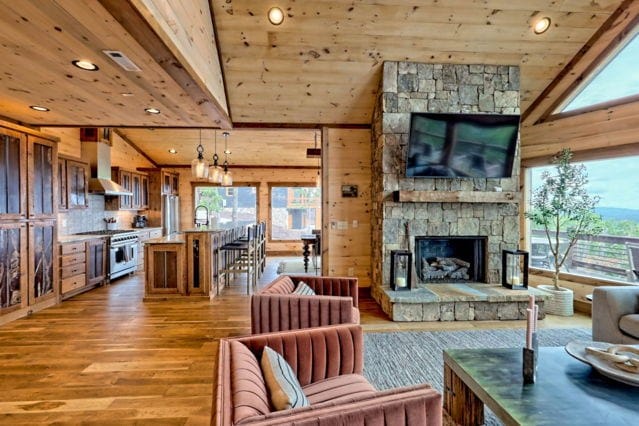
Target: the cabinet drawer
(72, 270)
(143, 235)
(71, 248)
(72, 283)
(71, 259)
(155, 234)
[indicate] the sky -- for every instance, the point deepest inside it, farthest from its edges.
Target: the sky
(615, 180)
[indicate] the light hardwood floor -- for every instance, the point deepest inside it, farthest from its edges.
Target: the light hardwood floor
(106, 357)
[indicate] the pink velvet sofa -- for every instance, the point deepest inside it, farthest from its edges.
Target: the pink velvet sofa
(328, 362)
(275, 308)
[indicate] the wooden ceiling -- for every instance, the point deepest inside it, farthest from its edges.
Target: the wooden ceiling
(323, 63)
(249, 147)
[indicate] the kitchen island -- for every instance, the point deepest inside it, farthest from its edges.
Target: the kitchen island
(184, 264)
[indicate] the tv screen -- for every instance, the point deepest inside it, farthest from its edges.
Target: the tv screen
(462, 145)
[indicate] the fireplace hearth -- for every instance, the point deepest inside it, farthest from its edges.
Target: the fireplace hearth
(450, 259)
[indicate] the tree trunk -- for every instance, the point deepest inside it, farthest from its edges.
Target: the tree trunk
(555, 279)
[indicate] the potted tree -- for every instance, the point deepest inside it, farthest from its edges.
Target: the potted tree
(565, 210)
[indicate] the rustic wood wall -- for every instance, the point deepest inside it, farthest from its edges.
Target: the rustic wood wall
(346, 228)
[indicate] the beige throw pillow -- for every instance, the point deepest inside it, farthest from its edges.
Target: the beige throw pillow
(284, 388)
(303, 289)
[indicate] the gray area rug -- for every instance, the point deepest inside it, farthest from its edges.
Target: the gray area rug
(296, 267)
(396, 359)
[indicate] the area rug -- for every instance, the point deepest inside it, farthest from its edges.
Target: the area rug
(296, 267)
(395, 359)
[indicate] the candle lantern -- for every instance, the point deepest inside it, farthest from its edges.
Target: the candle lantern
(514, 269)
(401, 267)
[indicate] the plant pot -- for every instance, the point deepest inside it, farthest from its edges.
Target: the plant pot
(560, 302)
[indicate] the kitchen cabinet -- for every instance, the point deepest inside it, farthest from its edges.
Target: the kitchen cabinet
(72, 268)
(96, 266)
(135, 182)
(43, 280)
(42, 176)
(73, 184)
(170, 183)
(164, 265)
(13, 267)
(175, 184)
(13, 175)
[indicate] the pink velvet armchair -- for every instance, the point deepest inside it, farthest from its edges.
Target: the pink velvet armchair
(276, 308)
(328, 362)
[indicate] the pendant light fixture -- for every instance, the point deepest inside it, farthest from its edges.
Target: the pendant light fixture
(227, 178)
(199, 166)
(215, 171)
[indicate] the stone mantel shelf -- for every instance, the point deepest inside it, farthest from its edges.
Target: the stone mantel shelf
(456, 197)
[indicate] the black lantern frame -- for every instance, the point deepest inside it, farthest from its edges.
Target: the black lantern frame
(401, 270)
(514, 269)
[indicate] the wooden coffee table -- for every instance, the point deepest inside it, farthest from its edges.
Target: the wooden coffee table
(566, 391)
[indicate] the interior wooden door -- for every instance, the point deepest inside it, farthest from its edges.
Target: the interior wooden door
(42, 170)
(43, 279)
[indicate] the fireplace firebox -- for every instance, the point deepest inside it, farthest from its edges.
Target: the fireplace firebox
(450, 259)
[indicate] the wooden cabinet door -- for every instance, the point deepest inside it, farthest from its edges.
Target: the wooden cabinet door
(164, 269)
(77, 184)
(13, 175)
(96, 261)
(144, 192)
(126, 201)
(175, 184)
(13, 267)
(166, 183)
(43, 281)
(136, 188)
(42, 170)
(63, 197)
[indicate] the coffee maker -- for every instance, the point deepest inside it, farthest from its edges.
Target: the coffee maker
(140, 221)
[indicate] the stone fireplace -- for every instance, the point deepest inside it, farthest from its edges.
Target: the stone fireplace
(450, 259)
(407, 212)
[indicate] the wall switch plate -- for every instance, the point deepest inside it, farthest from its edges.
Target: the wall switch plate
(342, 224)
(355, 223)
(351, 271)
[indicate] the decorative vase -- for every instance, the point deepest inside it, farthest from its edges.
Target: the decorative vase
(560, 301)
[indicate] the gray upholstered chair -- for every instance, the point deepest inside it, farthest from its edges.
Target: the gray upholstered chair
(615, 314)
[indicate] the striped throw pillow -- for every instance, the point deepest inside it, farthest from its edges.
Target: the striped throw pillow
(284, 388)
(303, 289)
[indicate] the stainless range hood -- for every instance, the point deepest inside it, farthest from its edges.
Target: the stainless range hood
(98, 155)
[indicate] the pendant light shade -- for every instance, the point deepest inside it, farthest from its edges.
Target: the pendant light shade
(199, 166)
(215, 171)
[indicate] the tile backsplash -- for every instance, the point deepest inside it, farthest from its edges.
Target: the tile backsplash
(92, 219)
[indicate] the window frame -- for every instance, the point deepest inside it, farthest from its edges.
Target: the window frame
(256, 185)
(272, 185)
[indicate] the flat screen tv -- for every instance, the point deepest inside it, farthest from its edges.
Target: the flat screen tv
(462, 145)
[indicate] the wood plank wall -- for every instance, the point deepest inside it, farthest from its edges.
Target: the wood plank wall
(347, 160)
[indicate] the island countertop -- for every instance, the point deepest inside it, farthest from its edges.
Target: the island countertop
(167, 239)
(202, 229)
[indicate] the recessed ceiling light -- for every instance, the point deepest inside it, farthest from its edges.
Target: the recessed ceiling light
(542, 25)
(127, 94)
(275, 15)
(85, 65)
(173, 151)
(152, 110)
(39, 108)
(227, 151)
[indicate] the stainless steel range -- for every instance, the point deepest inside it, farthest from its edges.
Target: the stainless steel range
(123, 251)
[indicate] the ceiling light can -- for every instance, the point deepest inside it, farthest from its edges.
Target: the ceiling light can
(152, 110)
(39, 108)
(173, 151)
(85, 65)
(275, 15)
(542, 25)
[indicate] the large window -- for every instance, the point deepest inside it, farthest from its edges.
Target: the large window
(228, 206)
(617, 79)
(294, 211)
(614, 254)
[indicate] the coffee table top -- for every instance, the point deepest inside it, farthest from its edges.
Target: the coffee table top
(566, 391)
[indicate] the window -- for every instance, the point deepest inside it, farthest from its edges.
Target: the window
(614, 254)
(616, 79)
(228, 209)
(294, 211)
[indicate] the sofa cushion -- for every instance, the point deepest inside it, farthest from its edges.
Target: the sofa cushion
(249, 390)
(284, 388)
(629, 324)
(281, 285)
(344, 387)
(303, 289)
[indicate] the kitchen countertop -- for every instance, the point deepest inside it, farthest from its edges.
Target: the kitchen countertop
(168, 239)
(203, 229)
(75, 238)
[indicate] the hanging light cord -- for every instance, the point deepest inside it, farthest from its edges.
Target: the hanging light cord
(226, 152)
(215, 157)
(200, 148)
